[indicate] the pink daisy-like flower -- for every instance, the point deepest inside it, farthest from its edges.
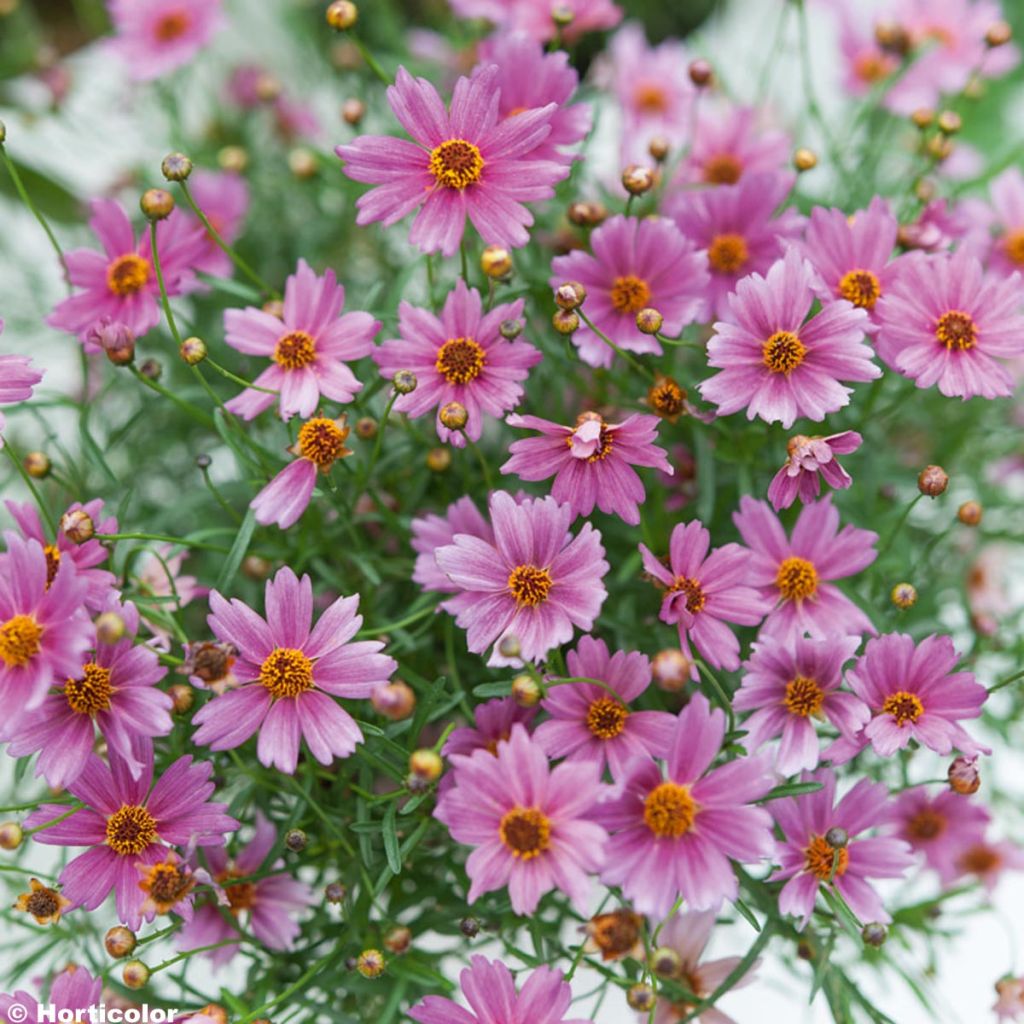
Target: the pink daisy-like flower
(493, 722)
(809, 860)
(127, 821)
(798, 572)
(865, 63)
(466, 162)
(1007, 191)
(594, 723)
(809, 461)
(169, 886)
(785, 685)
(939, 827)
(534, 16)
(160, 578)
(986, 859)
(120, 283)
(729, 144)
(528, 822)
(459, 357)
(592, 462)
(491, 993)
(534, 582)
(158, 36)
(431, 532)
(636, 264)
(945, 323)
(706, 591)
(73, 991)
(17, 379)
(289, 675)
(269, 903)
(736, 226)
(673, 834)
(224, 200)
(309, 346)
(775, 363)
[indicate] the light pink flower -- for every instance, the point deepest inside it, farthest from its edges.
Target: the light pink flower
(1007, 252)
(431, 532)
(224, 200)
(17, 379)
(728, 144)
(534, 16)
(809, 461)
(73, 990)
(157, 36)
(940, 827)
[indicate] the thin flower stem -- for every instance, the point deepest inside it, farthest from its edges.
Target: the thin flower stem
(193, 410)
(165, 539)
(1006, 681)
(485, 469)
(31, 485)
(638, 366)
(377, 444)
(297, 986)
(389, 627)
(192, 952)
(894, 532)
(371, 61)
(239, 380)
(720, 694)
(54, 821)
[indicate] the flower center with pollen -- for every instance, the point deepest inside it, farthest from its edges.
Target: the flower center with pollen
(926, 825)
(804, 697)
(460, 360)
(19, 640)
(904, 707)
(91, 693)
(1013, 246)
(128, 274)
(456, 163)
(860, 287)
(295, 350)
(525, 832)
(695, 597)
(530, 585)
(820, 858)
(322, 441)
(606, 718)
(286, 672)
(956, 330)
(796, 579)
(630, 294)
(130, 830)
(241, 895)
(669, 810)
(166, 884)
(43, 903)
(783, 352)
(52, 563)
(173, 25)
(722, 169)
(727, 253)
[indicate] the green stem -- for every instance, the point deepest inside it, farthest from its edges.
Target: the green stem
(407, 621)
(611, 344)
(371, 61)
(193, 410)
(735, 975)
(239, 380)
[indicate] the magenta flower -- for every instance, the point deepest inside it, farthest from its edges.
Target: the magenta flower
(528, 822)
(459, 357)
(224, 200)
(941, 827)
(728, 144)
(865, 63)
(431, 532)
(289, 675)
(704, 592)
(809, 461)
(127, 821)
(592, 462)
(945, 323)
(73, 990)
(534, 16)
(673, 834)
(493, 722)
(534, 582)
(1007, 192)
(808, 860)
(786, 685)
(17, 379)
(797, 572)
(594, 724)
(775, 363)
(491, 993)
(270, 903)
(913, 693)
(158, 36)
(463, 163)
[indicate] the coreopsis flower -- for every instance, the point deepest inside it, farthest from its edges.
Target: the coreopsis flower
(431, 532)
(939, 827)
(459, 357)
(43, 903)
(310, 347)
(289, 674)
(594, 723)
(592, 462)
(534, 582)
(636, 264)
(728, 144)
(946, 323)
(673, 832)
(158, 36)
(809, 460)
(705, 591)
(797, 573)
(73, 991)
(774, 362)
(985, 859)
(463, 162)
(786, 685)
(270, 904)
(534, 17)
(736, 226)
(160, 578)
(126, 821)
(529, 822)
(17, 379)
(210, 666)
(169, 885)
(809, 860)
(120, 283)
(321, 443)
(1006, 254)
(224, 199)
(864, 63)
(492, 724)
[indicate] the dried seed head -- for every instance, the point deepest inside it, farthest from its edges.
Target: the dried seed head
(120, 942)
(176, 167)
(156, 204)
(932, 481)
(969, 513)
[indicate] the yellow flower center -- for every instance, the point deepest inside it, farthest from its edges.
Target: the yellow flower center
(295, 350)
(606, 718)
(52, 563)
(1013, 246)
(456, 163)
(666, 398)
(242, 895)
(783, 352)
(322, 441)
(128, 274)
(796, 579)
(695, 597)
(286, 672)
(956, 330)
(926, 824)
(820, 858)
(861, 287)
(530, 585)
(525, 832)
(630, 294)
(722, 169)
(172, 25)
(41, 903)
(130, 830)
(804, 697)
(904, 707)
(669, 810)
(19, 640)
(727, 253)
(166, 883)
(91, 693)
(460, 360)
(979, 860)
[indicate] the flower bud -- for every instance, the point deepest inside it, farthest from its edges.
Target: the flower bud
(135, 974)
(342, 15)
(570, 295)
(964, 777)
(667, 398)
(370, 963)
(805, 159)
(932, 481)
(268, 87)
(562, 15)
(939, 148)
(394, 700)
(837, 837)
(193, 351)
(526, 691)
(454, 415)
(120, 942)
(151, 369)
(438, 460)
(302, 162)
(176, 167)
(295, 840)
(37, 465)
(353, 110)
(496, 262)
(3, 133)
(470, 927)
(182, 698)
(256, 568)
(923, 117)
(76, 524)
(366, 428)
(510, 329)
(949, 122)
(805, 950)
(637, 180)
(701, 73)
(404, 382)
(398, 940)
(509, 646)
(666, 962)
(925, 189)
(641, 997)
(11, 835)
(969, 513)
(566, 321)
(233, 158)
(892, 37)
(116, 340)
(649, 321)
(874, 934)
(658, 148)
(214, 1014)
(999, 34)
(426, 764)
(110, 627)
(335, 892)
(586, 214)
(671, 669)
(156, 204)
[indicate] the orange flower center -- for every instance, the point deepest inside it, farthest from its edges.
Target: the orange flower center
(722, 169)
(460, 360)
(172, 25)
(166, 883)
(666, 398)
(456, 163)
(820, 859)
(530, 585)
(42, 903)
(20, 640)
(286, 672)
(956, 330)
(295, 350)
(727, 253)
(861, 287)
(695, 597)
(525, 832)
(606, 718)
(130, 829)
(903, 706)
(783, 352)
(926, 824)
(1013, 246)
(52, 563)
(804, 697)
(796, 579)
(630, 294)
(979, 860)
(650, 98)
(872, 67)
(241, 895)
(669, 810)
(91, 693)
(322, 441)
(128, 274)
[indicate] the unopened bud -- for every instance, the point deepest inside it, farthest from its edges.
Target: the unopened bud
(939, 148)
(562, 15)
(255, 567)
(949, 122)
(805, 159)
(998, 34)
(640, 997)
(233, 158)
(510, 329)
(268, 87)
(37, 465)
(438, 460)
(342, 15)
(394, 700)
(637, 180)
(157, 203)
(11, 835)
(904, 595)
(509, 646)
(303, 163)
(964, 777)
(76, 524)
(666, 962)
(426, 764)
(892, 37)
(151, 369)
(874, 934)
(3, 133)
(470, 927)
(969, 513)
(366, 428)
(116, 340)
(671, 669)
(805, 950)
(110, 627)
(182, 698)
(295, 840)
(120, 942)
(649, 321)
(566, 321)
(370, 963)
(496, 262)
(923, 117)
(176, 167)
(658, 148)
(525, 691)
(404, 382)
(837, 837)
(193, 351)
(274, 307)
(335, 892)
(932, 481)
(925, 189)
(701, 73)
(203, 462)
(135, 974)
(586, 214)
(570, 295)
(353, 111)
(454, 415)
(398, 940)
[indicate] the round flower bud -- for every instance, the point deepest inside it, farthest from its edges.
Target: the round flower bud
(837, 837)
(701, 72)
(426, 764)
(874, 934)
(805, 950)
(649, 321)
(335, 892)
(203, 462)
(295, 840)
(566, 321)
(562, 15)
(666, 962)
(176, 167)
(193, 351)
(404, 382)
(892, 37)
(949, 122)
(923, 117)
(526, 691)
(233, 158)
(110, 627)
(570, 295)
(120, 942)
(342, 15)
(302, 162)
(641, 997)
(510, 329)
(805, 159)
(932, 481)
(77, 525)
(586, 214)
(394, 700)
(964, 777)
(156, 203)
(939, 148)
(925, 189)
(470, 927)
(438, 460)
(999, 34)
(256, 568)
(454, 415)
(268, 87)
(11, 835)
(37, 465)
(151, 369)
(370, 963)
(969, 513)
(509, 646)
(671, 669)
(658, 148)
(366, 428)
(181, 696)
(904, 595)
(353, 110)
(637, 180)
(135, 974)
(496, 261)
(215, 1014)
(398, 940)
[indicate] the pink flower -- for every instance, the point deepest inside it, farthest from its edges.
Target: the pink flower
(527, 822)
(309, 346)
(74, 990)
(797, 572)
(17, 379)
(673, 834)
(785, 685)
(534, 16)
(809, 461)
(535, 581)
(493, 723)
(944, 322)
(431, 532)
(291, 674)
(865, 63)
(808, 860)
(775, 363)
(120, 283)
(704, 592)
(224, 200)
(158, 36)
(594, 724)
(489, 989)
(940, 827)
(1007, 192)
(728, 144)
(635, 264)
(986, 860)
(126, 821)
(459, 357)
(160, 577)
(463, 163)
(592, 462)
